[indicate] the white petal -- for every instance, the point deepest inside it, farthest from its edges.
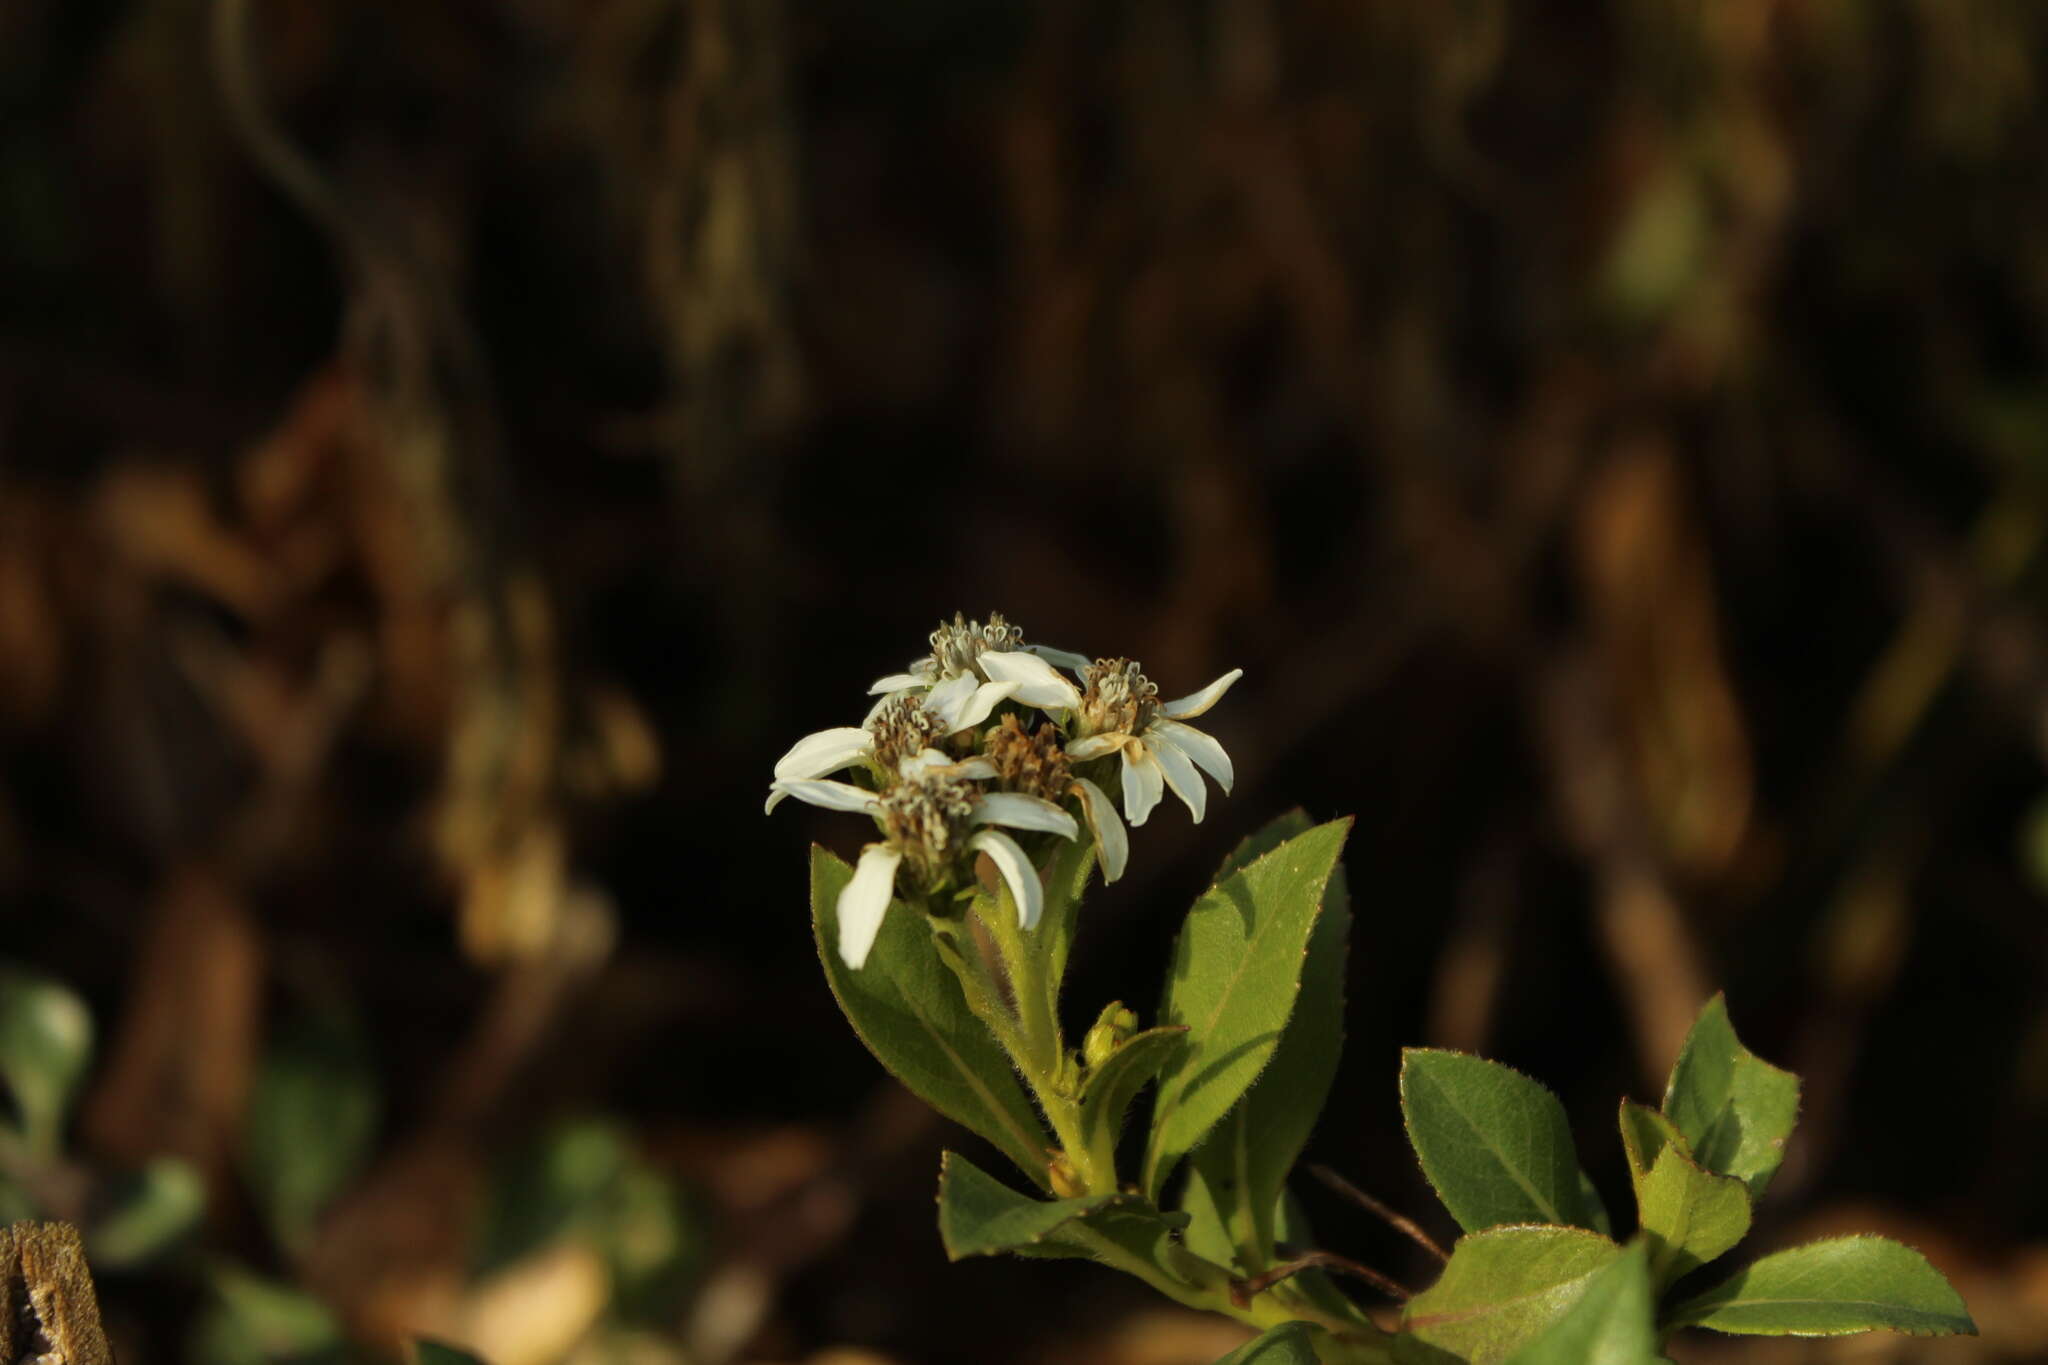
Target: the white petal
(1072, 662)
(1180, 775)
(949, 697)
(1095, 746)
(1019, 811)
(897, 682)
(1142, 782)
(976, 769)
(1206, 752)
(1017, 870)
(825, 752)
(964, 701)
(984, 701)
(1204, 699)
(775, 798)
(864, 901)
(830, 795)
(1112, 843)
(1038, 682)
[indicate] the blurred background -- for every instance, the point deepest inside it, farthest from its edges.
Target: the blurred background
(449, 450)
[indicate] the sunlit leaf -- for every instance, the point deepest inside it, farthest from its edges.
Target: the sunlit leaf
(1235, 973)
(1735, 1109)
(1495, 1145)
(907, 1007)
(1502, 1289)
(1613, 1323)
(1245, 1161)
(1833, 1288)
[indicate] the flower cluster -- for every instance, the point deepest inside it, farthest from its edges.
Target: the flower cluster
(951, 755)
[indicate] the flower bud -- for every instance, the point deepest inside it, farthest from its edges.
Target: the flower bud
(1112, 1030)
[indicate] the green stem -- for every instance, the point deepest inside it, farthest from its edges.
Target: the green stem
(1042, 1058)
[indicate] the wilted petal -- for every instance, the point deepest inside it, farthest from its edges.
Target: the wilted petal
(1206, 752)
(1038, 682)
(1060, 658)
(1112, 843)
(864, 901)
(1019, 811)
(825, 752)
(1095, 746)
(1143, 782)
(1017, 870)
(830, 795)
(1180, 775)
(1201, 701)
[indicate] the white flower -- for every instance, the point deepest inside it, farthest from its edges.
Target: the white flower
(957, 649)
(896, 728)
(1120, 712)
(924, 816)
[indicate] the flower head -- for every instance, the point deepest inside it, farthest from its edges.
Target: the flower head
(958, 649)
(900, 725)
(1118, 711)
(934, 817)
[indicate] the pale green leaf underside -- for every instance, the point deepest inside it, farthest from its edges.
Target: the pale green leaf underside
(1613, 1323)
(1495, 1145)
(1502, 1289)
(1235, 973)
(1291, 1343)
(907, 1007)
(1833, 1288)
(1736, 1110)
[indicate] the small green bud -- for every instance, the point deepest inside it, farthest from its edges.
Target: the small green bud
(1112, 1030)
(1063, 1177)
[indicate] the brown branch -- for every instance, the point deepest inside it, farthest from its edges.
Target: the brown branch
(1242, 1292)
(1399, 1222)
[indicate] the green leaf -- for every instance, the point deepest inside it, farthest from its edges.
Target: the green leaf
(425, 1352)
(1689, 1216)
(1644, 1134)
(1246, 1160)
(45, 1047)
(907, 1007)
(546, 1188)
(1833, 1288)
(1130, 1231)
(1495, 1145)
(147, 1212)
(1735, 1109)
(254, 1321)
(310, 1122)
(1236, 970)
(1112, 1086)
(1065, 881)
(1503, 1288)
(981, 1216)
(1291, 1343)
(1593, 1206)
(1613, 1323)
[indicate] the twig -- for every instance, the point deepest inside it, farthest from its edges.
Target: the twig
(1242, 1292)
(1399, 1222)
